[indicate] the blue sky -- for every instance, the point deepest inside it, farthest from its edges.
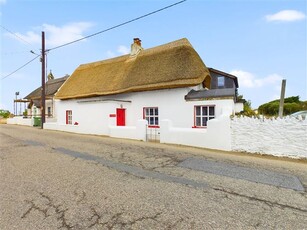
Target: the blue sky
(261, 42)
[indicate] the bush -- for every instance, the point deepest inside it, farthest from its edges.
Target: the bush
(291, 105)
(4, 113)
(291, 108)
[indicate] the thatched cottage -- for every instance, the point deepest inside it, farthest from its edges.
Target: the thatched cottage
(120, 96)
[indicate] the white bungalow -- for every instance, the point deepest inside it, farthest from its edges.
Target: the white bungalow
(134, 95)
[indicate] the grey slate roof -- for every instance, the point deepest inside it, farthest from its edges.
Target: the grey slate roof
(52, 87)
(212, 93)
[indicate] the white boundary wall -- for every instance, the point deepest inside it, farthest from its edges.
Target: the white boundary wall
(215, 136)
(279, 137)
(20, 121)
(29, 121)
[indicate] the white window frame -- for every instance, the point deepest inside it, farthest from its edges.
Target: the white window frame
(202, 114)
(151, 114)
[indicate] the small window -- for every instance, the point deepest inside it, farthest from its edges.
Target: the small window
(49, 111)
(68, 117)
(151, 114)
(220, 81)
(202, 114)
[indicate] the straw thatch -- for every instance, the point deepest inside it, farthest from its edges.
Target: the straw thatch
(172, 65)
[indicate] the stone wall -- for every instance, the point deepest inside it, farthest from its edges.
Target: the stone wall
(279, 137)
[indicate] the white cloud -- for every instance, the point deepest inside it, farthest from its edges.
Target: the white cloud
(29, 37)
(248, 80)
(55, 35)
(123, 50)
(245, 79)
(257, 89)
(286, 16)
(67, 33)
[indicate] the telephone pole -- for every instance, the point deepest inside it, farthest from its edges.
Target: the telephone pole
(43, 102)
(282, 98)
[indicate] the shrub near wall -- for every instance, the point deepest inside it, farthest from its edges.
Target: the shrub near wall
(279, 137)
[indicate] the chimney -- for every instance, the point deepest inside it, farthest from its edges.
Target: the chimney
(50, 76)
(136, 47)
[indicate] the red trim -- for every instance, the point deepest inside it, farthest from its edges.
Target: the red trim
(153, 126)
(67, 111)
(112, 115)
(120, 117)
(199, 127)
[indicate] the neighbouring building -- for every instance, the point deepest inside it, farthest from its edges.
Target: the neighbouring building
(34, 98)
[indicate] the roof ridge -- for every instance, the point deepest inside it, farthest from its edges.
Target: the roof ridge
(169, 45)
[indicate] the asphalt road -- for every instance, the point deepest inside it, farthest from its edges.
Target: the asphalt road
(57, 180)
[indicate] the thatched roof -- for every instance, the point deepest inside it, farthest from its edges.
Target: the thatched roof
(51, 87)
(172, 65)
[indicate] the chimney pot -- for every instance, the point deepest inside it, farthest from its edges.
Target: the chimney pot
(136, 47)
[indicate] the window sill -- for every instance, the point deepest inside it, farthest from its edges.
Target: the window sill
(153, 126)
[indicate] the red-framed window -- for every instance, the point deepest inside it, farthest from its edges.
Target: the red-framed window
(151, 114)
(202, 114)
(68, 117)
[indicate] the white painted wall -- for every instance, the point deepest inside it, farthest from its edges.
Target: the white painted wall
(36, 112)
(215, 136)
(20, 121)
(137, 132)
(278, 137)
(239, 106)
(93, 117)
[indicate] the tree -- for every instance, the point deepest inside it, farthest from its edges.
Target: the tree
(291, 105)
(247, 107)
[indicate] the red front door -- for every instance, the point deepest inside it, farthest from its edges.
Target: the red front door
(120, 117)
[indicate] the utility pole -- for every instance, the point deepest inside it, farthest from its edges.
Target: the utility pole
(43, 81)
(282, 98)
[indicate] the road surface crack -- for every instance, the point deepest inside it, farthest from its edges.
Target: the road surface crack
(271, 204)
(116, 220)
(45, 205)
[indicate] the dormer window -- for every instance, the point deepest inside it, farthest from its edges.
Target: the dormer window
(220, 81)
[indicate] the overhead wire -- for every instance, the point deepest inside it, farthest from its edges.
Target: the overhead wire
(119, 25)
(20, 67)
(92, 35)
(16, 35)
